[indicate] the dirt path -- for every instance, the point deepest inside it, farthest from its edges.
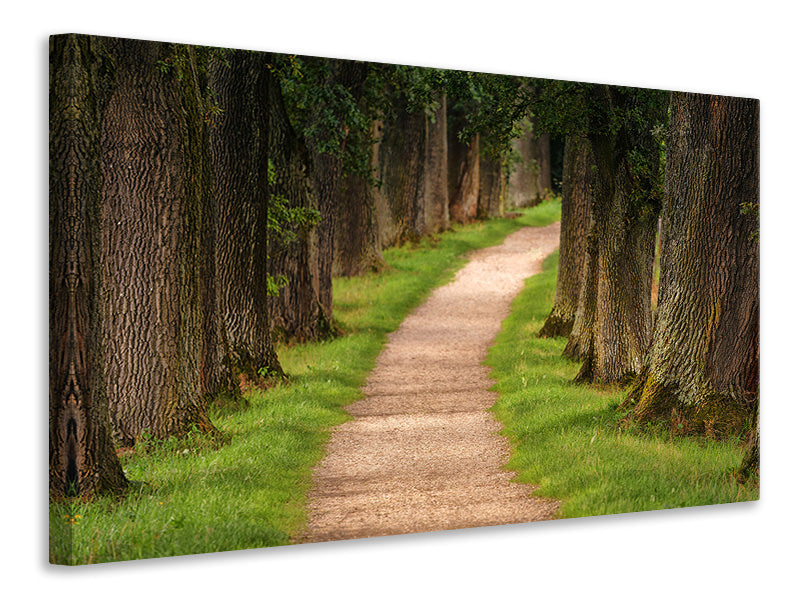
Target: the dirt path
(422, 452)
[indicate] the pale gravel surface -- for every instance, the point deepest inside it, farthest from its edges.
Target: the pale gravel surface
(422, 452)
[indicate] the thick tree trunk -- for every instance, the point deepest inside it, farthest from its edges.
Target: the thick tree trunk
(581, 338)
(621, 244)
(82, 457)
(304, 308)
(435, 193)
(463, 174)
(625, 254)
(702, 370)
(240, 155)
(575, 213)
(356, 236)
(491, 188)
(401, 170)
(299, 311)
(357, 245)
(155, 179)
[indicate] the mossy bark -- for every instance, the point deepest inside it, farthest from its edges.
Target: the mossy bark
(82, 458)
(154, 186)
(575, 209)
(704, 361)
(613, 324)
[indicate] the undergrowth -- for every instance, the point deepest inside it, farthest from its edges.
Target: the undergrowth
(565, 436)
(247, 488)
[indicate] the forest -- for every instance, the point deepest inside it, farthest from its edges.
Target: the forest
(235, 235)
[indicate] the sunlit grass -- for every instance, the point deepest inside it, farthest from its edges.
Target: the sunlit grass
(566, 439)
(193, 496)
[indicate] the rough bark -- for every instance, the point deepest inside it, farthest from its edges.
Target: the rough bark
(240, 155)
(154, 182)
(491, 188)
(703, 368)
(575, 211)
(304, 308)
(463, 173)
(621, 244)
(356, 237)
(299, 311)
(581, 338)
(82, 459)
(401, 170)
(625, 254)
(435, 192)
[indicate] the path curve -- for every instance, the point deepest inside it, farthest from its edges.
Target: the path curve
(423, 453)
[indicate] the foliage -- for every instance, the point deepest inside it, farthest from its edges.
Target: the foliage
(325, 111)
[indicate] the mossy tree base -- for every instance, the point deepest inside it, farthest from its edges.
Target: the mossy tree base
(711, 414)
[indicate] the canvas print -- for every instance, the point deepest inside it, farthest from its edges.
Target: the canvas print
(299, 299)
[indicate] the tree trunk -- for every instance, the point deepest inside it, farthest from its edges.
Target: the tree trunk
(82, 458)
(435, 193)
(401, 170)
(240, 154)
(155, 178)
(542, 157)
(356, 236)
(575, 209)
(625, 233)
(300, 312)
(530, 179)
(491, 188)
(357, 245)
(581, 339)
(463, 161)
(304, 308)
(703, 368)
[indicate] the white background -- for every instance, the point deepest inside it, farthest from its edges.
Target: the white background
(736, 48)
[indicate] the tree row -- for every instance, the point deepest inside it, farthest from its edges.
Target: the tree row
(202, 200)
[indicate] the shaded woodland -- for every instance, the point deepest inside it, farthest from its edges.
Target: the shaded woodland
(202, 200)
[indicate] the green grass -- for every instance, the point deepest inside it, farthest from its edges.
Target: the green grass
(193, 496)
(565, 436)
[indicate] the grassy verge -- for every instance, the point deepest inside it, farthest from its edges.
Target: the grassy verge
(565, 437)
(195, 497)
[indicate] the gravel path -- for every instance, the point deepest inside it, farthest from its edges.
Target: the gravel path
(422, 452)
